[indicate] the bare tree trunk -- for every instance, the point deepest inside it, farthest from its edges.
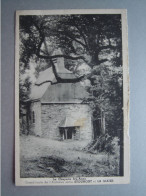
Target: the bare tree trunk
(102, 123)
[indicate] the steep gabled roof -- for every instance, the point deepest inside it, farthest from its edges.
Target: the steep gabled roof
(41, 85)
(49, 90)
(46, 76)
(38, 91)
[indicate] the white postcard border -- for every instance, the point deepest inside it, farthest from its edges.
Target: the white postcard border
(81, 180)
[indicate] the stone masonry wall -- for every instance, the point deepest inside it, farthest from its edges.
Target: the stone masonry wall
(53, 114)
(35, 127)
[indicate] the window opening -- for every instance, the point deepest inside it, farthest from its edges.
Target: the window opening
(33, 117)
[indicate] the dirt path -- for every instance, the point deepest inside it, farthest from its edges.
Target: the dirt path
(41, 157)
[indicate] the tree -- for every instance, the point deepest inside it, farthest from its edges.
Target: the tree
(94, 39)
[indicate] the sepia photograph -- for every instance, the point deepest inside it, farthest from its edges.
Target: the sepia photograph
(71, 97)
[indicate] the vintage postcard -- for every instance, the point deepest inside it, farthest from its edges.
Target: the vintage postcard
(71, 97)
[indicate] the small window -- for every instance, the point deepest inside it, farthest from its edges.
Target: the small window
(33, 117)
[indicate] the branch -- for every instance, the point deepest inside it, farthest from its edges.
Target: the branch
(107, 47)
(57, 76)
(81, 33)
(60, 56)
(46, 82)
(73, 38)
(102, 61)
(62, 80)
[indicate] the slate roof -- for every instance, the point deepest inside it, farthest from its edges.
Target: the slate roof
(38, 91)
(48, 90)
(46, 76)
(41, 85)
